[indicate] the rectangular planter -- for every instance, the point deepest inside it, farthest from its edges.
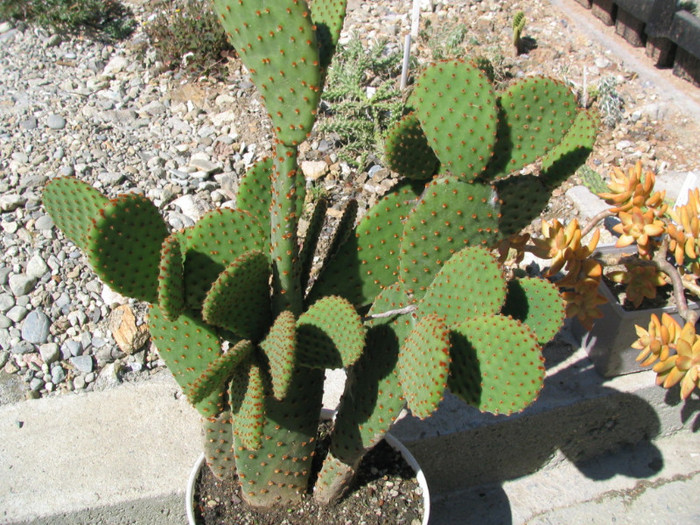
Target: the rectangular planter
(630, 28)
(608, 344)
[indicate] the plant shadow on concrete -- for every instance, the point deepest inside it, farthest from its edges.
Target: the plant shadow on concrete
(610, 433)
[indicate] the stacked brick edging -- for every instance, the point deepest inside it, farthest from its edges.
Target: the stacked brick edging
(671, 36)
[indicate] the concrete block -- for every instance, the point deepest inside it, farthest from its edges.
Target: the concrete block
(630, 28)
(661, 51)
(604, 10)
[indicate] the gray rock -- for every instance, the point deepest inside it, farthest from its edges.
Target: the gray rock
(11, 201)
(5, 322)
(50, 352)
(35, 328)
(78, 382)
(58, 375)
(4, 356)
(6, 302)
(4, 273)
(23, 347)
(29, 123)
(82, 363)
(36, 267)
(16, 313)
(56, 121)
(71, 348)
(22, 284)
(45, 222)
(36, 384)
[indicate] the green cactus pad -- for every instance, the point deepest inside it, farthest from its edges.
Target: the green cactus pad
(330, 334)
(407, 151)
(523, 197)
(497, 365)
(277, 43)
(188, 346)
(537, 303)
(279, 470)
(218, 371)
(572, 152)
(171, 288)
(280, 347)
(394, 307)
(457, 109)
(123, 246)
(212, 244)
(328, 17)
(218, 445)
(471, 283)
(254, 191)
(313, 233)
(536, 113)
(247, 389)
(368, 260)
(239, 299)
(372, 400)
(72, 204)
(424, 364)
(450, 215)
(285, 209)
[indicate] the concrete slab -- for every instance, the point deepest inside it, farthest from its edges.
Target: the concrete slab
(123, 453)
(652, 483)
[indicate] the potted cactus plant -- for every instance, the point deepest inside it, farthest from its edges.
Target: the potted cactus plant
(409, 301)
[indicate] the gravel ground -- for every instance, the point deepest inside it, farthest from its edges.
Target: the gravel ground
(110, 116)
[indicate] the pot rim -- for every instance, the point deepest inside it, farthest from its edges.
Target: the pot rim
(391, 440)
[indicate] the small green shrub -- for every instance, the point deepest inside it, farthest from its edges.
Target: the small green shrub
(102, 19)
(358, 115)
(187, 34)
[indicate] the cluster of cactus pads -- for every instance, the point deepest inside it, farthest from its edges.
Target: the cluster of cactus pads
(410, 301)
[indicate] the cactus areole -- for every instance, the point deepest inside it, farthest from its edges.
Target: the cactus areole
(410, 301)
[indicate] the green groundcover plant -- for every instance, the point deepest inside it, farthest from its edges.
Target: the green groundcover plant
(410, 300)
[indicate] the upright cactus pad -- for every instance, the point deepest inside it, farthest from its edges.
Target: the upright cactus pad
(247, 392)
(254, 191)
(72, 204)
(456, 106)
(328, 16)
(239, 299)
(218, 445)
(313, 234)
(277, 42)
(497, 364)
(407, 150)
(188, 346)
(280, 347)
(537, 303)
(367, 261)
(523, 197)
(123, 246)
(536, 114)
(572, 152)
(212, 244)
(450, 215)
(330, 334)
(373, 398)
(213, 377)
(424, 365)
(171, 287)
(471, 283)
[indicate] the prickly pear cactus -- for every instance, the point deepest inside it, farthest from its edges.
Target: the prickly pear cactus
(410, 300)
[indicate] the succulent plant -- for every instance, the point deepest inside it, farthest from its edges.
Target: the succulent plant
(518, 26)
(410, 301)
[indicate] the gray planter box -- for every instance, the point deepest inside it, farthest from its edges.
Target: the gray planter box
(608, 344)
